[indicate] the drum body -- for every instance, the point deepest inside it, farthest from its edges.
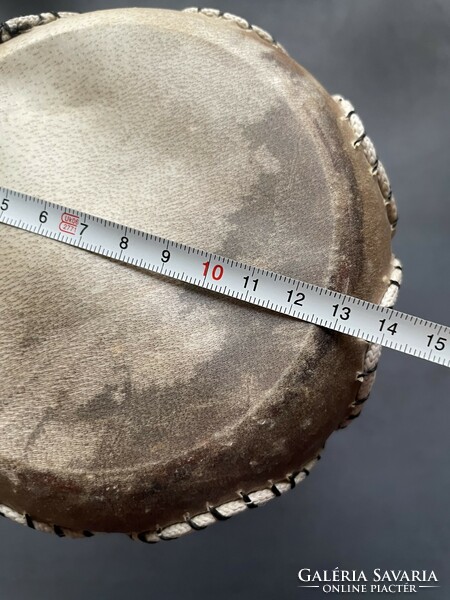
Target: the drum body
(131, 402)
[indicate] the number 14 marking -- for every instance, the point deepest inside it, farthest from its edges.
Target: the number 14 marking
(392, 328)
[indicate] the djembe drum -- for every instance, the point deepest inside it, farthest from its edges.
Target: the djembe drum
(130, 402)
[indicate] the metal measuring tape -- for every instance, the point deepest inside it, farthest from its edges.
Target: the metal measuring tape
(340, 312)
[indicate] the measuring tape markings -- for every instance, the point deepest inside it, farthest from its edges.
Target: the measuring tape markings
(255, 285)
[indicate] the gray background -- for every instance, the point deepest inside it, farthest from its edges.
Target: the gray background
(381, 496)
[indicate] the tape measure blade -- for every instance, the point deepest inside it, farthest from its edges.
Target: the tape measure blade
(255, 285)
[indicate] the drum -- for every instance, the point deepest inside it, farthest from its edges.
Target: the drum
(130, 402)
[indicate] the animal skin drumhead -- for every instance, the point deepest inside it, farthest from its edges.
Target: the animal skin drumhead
(131, 402)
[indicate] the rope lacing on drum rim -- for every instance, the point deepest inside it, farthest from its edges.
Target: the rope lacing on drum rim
(18, 25)
(224, 511)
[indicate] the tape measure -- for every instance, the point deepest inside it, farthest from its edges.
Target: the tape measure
(298, 299)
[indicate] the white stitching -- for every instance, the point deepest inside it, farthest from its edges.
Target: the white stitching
(376, 166)
(200, 521)
(14, 27)
(18, 25)
(373, 352)
(239, 21)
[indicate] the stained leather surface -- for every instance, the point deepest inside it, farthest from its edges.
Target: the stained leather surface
(129, 400)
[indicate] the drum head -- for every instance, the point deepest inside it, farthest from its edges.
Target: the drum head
(131, 402)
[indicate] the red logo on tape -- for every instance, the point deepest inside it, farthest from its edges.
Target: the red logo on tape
(69, 223)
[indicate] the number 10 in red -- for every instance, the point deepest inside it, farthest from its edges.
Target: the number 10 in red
(216, 273)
